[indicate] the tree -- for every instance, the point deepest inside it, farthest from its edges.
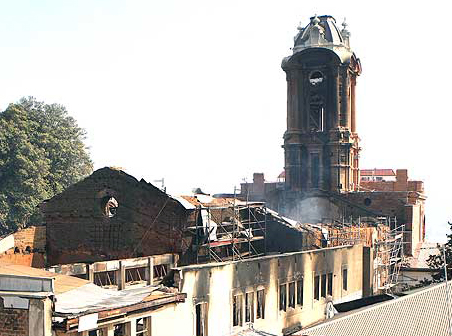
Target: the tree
(41, 153)
(436, 261)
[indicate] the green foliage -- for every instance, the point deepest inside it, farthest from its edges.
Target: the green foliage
(436, 261)
(41, 153)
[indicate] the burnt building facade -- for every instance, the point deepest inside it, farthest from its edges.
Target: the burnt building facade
(112, 215)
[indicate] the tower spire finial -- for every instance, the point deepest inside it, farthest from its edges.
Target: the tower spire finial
(344, 23)
(315, 20)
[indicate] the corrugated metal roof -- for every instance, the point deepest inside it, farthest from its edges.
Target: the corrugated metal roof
(424, 313)
(91, 298)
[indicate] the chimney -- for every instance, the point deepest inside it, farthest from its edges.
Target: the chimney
(401, 183)
(259, 185)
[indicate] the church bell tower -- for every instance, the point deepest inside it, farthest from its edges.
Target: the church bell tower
(321, 145)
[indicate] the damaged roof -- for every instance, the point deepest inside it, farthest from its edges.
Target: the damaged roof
(210, 201)
(91, 298)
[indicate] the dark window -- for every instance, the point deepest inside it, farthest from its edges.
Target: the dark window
(119, 330)
(160, 271)
(237, 310)
(367, 201)
(316, 114)
(135, 275)
(201, 319)
(324, 285)
(344, 279)
(300, 292)
(105, 279)
(283, 297)
(292, 294)
(330, 284)
(315, 170)
(97, 332)
(260, 314)
(142, 326)
(249, 307)
(317, 287)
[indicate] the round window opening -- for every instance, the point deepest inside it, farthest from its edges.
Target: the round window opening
(316, 78)
(367, 201)
(109, 206)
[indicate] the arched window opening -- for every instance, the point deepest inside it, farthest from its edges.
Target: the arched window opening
(316, 114)
(109, 206)
(316, 78)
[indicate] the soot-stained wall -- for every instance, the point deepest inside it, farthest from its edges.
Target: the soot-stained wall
(216, 284)
(112, 215)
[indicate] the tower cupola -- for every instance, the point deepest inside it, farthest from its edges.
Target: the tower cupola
(322, 32)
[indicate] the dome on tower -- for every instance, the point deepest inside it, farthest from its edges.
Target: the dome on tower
(322, 32)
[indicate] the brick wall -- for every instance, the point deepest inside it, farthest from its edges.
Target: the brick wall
(146, 222)
(407, 207)
(33, 237)
(13, 322)
(401, 184)
(29, 247)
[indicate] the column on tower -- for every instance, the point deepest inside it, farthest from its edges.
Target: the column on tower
(335, 98)
(345, 105)
(353, 104)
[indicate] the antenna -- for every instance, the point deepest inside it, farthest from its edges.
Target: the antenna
(162, 181)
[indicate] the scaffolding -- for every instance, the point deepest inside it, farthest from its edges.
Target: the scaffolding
(389, 257)
(233, 232)
(351, 231)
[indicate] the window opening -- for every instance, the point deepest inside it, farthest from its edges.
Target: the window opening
(119, 330)
(105, 279)
(316, 114)
(97, 332)
(249, 316)
(283, 297)
(330, 284)
(160, 271)
(142, 326)
(344, 279)
(237, 310)
(201, 319)
(260, 313)
(300, 292)
(109, 206)
(135, 275)
(324, 285)
(317, 287)
(292, 294)
(316, 78)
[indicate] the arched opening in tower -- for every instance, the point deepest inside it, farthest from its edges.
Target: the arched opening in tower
(316, 114)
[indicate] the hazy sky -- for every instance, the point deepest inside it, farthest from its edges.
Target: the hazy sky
(193, 91)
